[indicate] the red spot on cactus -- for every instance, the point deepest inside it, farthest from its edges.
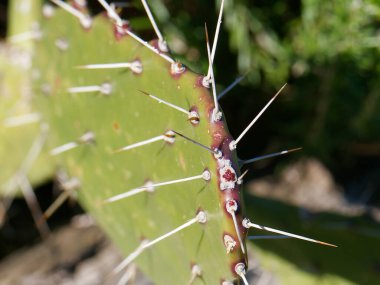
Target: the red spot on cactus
(229, 175)
(121, 31)
(231, 203)
(198, 82)
(116, 126)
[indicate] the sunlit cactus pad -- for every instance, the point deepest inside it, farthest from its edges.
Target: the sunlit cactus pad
(89, 128)
(21, 135)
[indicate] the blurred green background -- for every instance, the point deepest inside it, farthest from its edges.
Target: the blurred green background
(329, 54)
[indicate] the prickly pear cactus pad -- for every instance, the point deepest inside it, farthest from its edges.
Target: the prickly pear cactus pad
(21, 134)
(107, 98)
(11, 106)
(17, 151)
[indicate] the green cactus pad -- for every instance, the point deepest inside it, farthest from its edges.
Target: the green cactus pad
(21, 134)
(124, 116)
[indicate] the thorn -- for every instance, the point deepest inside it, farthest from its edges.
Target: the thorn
(166, 103)
(105, 89)
(56, 204)
(22, 120)
(131, 257)
(216, 36)
(231, 207)
(192, 116)
(111, 13)
(216, 114)
(149, 186)
(248, 224)
(121, 25)
(35, 149)
(196, 272)
(231, 86)
(224, 282)
(215, 152)
(199, 218)
(85, 20)
(268, 237)
(35, 34)
(129, 275)
(68, 188)
(234, 143)
(270, 155)
(31, 200)
(146, 44)
(63, 148)
(161, 42)
(168, 137)
(240, 270)
(86, 138)
(240, 178)
(135, 66)
(27, 163)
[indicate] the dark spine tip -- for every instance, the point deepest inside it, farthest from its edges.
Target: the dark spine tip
(145, 93)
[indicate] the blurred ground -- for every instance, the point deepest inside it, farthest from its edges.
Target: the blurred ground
(308, 184)
(77, 253)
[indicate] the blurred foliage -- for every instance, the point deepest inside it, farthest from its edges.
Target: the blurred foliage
(327, 51)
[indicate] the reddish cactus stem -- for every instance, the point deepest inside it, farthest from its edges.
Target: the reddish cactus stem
(221, 139)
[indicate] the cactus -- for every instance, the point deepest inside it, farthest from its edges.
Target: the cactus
(146, 141)
(19, 128)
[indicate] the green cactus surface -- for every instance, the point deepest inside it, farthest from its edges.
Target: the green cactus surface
(21, 135)
(98, 123)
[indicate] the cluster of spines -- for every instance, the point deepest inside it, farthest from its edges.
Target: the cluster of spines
(223, 146)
